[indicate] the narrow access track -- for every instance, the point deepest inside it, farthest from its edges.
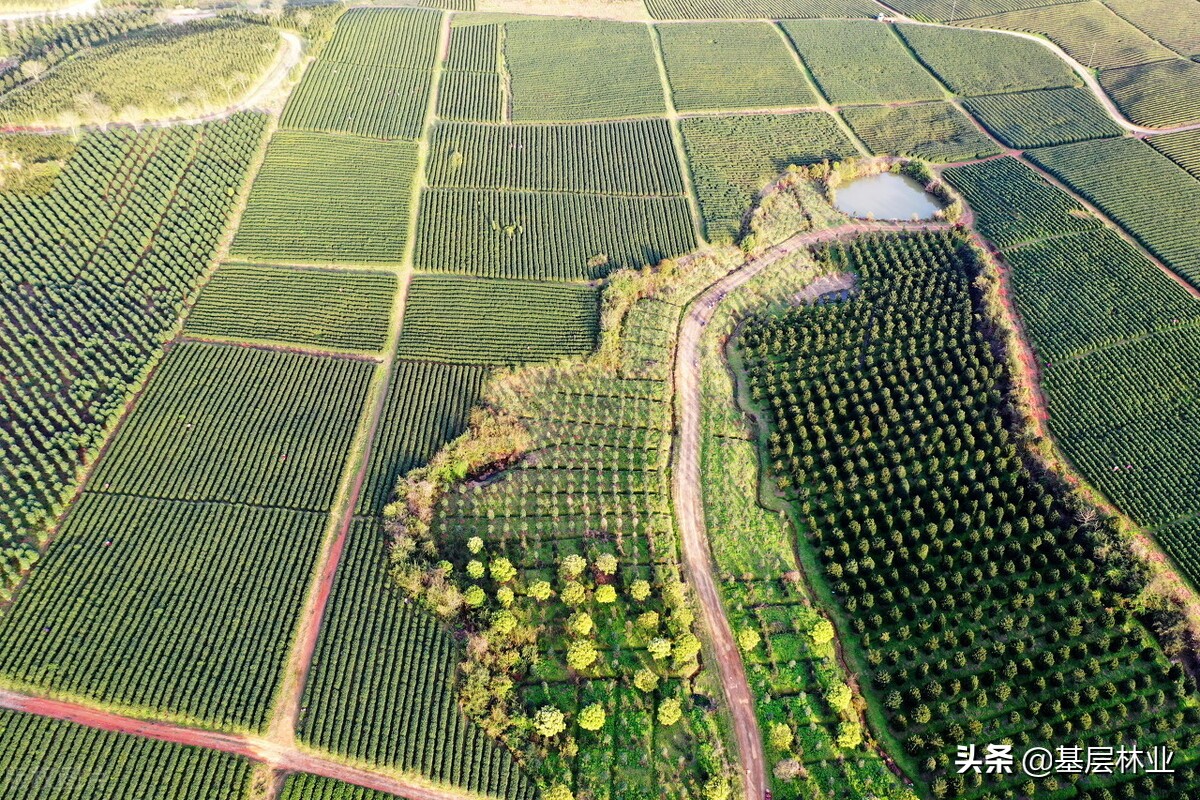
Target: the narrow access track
(688, 494)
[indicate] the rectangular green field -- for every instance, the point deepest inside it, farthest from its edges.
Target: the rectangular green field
(1157, 95)
(302, 786)
(1044, 117)
(368, 100)
(391, 37)
(491, 321)
(732, 65)
(185, 609)
(382, 688)
(930, 131)
(322, 198)
(760, 9)
(338, 309)
(470, 96)
(861, 63)
(732, 158)
(222, 423)
(1089, 32)
(979, 62)
(427, 406)
(567, 70)
(1175, 23)
(1183, 148)
(49, 759)
(635, 157)
(474, 48)
(1182, 541)
(1013, 204)
(1145, 192)
(538, 235)
(1076, 293)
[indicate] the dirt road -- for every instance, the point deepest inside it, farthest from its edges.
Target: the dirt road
(688, 493)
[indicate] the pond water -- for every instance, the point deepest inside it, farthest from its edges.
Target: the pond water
(886, 196)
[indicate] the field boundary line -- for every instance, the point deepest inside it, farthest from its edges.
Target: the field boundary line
(685, 166)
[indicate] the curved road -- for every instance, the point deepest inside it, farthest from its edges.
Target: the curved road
(688, 494)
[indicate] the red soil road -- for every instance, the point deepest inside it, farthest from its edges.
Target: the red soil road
(687, 491)
(283, 758)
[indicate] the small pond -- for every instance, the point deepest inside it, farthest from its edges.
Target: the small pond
(886, 196)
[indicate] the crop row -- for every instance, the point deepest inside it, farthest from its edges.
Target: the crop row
(977, 62)
(427, 406)
(1013, 204)
(493, 233)
(470, 96)
(238, 424)
(382, 683)
(368, 100)
(732, 65)
(490, 321)
(344, 309)
(930, 131)
(634, 157)
(46, 759)
(1182, 148)
(183, 608)
(1144, 192)
(474, 48)
(93, 275)
(326, 198)
(391, 37)
(1044, 117)
(1159, 94)
(1182, 541)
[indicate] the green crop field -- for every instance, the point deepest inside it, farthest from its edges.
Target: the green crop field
(470, 96)
(1143, 191)
(474, 48)
(860, 546)
(1159, 94)
(43, 759)
(342, 309)
(183, 71)
(732, 65)
(1182, 541)
(1171, 22)
(239, 425)
(728, 178)
(488, 321)
(300, 786)
(635, 157)
(1089, 32)
(930, 131)
(976, 62)
(861, 63)
(321, 198)
(1014, 204)
(76, 300)
(427, 405)
(565, 70)
(180, 608)
(945, 10)
(503, 234)
(1182, 148)
(381, 102)
(1077, 293)
(758, 9)
(1045, 117)
(390, 37)
(382, 685)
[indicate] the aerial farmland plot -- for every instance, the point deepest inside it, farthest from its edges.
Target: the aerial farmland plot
(604, 400)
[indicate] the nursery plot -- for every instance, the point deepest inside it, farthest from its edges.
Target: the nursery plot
(1041, 118)
(382, 686)
(635, 157)
(391, 37)
(186, 609)
(732, 65)
(759, 9)
(240, 425)
(341, 309)
(733, 158)
(47, 759)
(486, 321)
(1076, 293)
(861, 63)
(376, 101)
(1182, 148)
(978, 62)
(504, 234)
(1013, 204)
(566, 70)
(1156, 95)
(1175, 23)
(1089, 32)
(1143, 191)
(427, 405)
(929, 131)
(325, 198)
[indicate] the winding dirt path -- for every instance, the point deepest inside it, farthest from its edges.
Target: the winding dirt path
(688, 494)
